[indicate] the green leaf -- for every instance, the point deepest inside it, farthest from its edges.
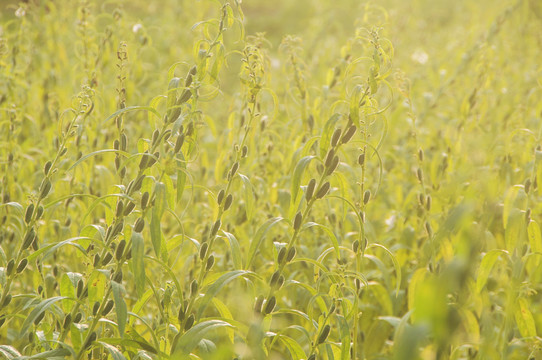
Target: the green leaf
(53, 247)
(235, 251)
(68, 283)
(51, 354)
(524, 319)
(354, 105)
(535, 239)
(157, 212)
(43, 306)
(181, 175)
(9, 352)
(120, 306)
(344, 334)
(327, 132)
(396, 266)
(249, 196)
(486, 265)
(298, 174)
(138, 265)
(258, 237)
(296, 351)
(113, 351)
(190, 339)
(217, 286)
(509, 198)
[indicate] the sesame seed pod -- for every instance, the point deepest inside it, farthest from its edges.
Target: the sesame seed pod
(128, 208)
(29, 212)
(274, 278)
(312, 357)
(185, 96)
(123, 142)
(143, 162)
(527, 186)
(180, 314)
(118, 277)
(179, 143)
(117, 229)
(310, 189)
(429, 229)
(119, 209)
(120, 249)
(145, 200)
(45, 187)
(348, 134)
(2, 321)
(96, 260)
(67, 321)
(258, 304)
(78, 317)
(39, 318)
(361, 159)
(421, 199)
(210, 263)
(166, 135)
(220, 196)
(323, 190)
(333, 166)
(216, 227)
(117, 163)
(108, 307)
(95, 308)
(244, 151)
(234, 168)
(291, 254)
(280, 282)
(116, 144)
(282, 255)
(270, 305)
(90, 340)
(203, 250)
(107, 258)
(28, 239)
(355, 246)
(428, 203)
(228, 202)
(39, 212)
(138, 183)
(419, 174)
(324, 334)
(155, 135)
(335, 137)
(297, 221)
(22, 265)
(139, 225)
(47, 167)
(420, 154)
(7, 300)
(189, 322)
(153, 159)
(79, 291)
(329, 157)
(366, 196)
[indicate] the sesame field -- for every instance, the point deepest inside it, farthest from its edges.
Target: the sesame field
(309, 179)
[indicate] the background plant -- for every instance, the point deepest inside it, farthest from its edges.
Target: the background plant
(205, 180)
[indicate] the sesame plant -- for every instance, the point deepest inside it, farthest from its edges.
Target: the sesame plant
(197, 180)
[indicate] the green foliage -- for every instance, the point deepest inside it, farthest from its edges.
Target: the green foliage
(175, 183)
